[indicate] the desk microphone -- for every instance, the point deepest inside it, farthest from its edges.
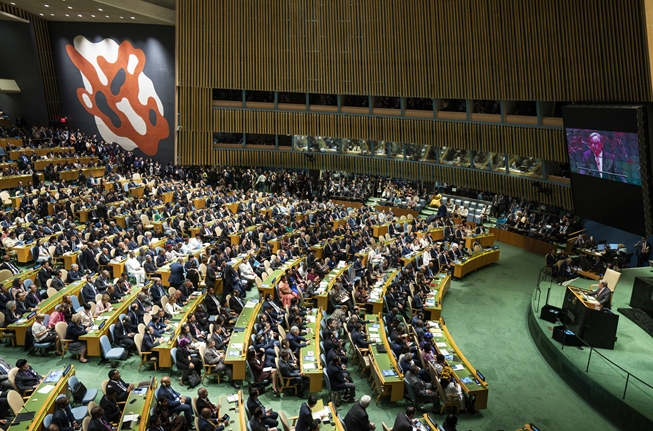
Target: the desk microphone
(28, 411)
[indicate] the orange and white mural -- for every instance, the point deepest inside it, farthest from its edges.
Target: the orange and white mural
(117, 93)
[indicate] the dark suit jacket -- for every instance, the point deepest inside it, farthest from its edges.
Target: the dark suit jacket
(176, 273)
(587, 166)
(402, 423)
(357, 419)
(63, 419)
(305, 418)
(111, 410)
(602, 295)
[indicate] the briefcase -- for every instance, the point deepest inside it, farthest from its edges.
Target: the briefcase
(565, 336)
(550, 313)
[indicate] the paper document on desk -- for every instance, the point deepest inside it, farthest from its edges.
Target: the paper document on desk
(251, 304)
(45, 390)
(309, 366)
(129, 418)
(321, 413)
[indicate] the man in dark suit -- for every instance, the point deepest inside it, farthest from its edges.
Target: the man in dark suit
(123, 336)
(63, 416)
(26, 378)
(7, 264)
(296, 341)
(121, 387)
(305, 417)
(98, 420)
(357, 418)
(45, 273)
(177, 403)
(405, 421)
(176, 273)
(290, 372)
(89, 290)
(235, 303)
(253, 403)
(602, 294)
(598, 163)
(203, 402)
(110, 405)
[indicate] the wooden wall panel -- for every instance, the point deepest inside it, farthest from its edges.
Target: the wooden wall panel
(594, 50)
(45, 58)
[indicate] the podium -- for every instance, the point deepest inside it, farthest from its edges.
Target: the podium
(582, 315)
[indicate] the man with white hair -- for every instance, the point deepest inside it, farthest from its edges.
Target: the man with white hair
(357, 419)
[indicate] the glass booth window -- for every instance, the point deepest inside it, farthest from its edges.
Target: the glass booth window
(454, 156)
(481, 159)
(417, 152)
(227, 138)
(259, 139)
(396, 150)
(357, 146)
(525, 166)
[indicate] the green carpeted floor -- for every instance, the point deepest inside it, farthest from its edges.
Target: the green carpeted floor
(486, 315)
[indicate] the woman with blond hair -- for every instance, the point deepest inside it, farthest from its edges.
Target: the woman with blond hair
(103, 305)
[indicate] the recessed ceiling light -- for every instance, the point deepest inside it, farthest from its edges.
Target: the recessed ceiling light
(47, 5)
(133, 18)
(14, 4)
(106, 16)
(80, 15)
(120, 17)
(67, 15)
(52, 14)
(99, 9)
(92, 15)
(41, 14)
(70, 7)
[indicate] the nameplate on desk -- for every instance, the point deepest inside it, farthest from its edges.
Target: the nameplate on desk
(389, 373)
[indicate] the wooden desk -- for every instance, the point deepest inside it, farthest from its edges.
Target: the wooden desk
(165, 360)
(379, 230)
(69, 259)
(15, 154)
(237, 421)
(467, 376)
(385, 361)
(92, 338)
(12, 182)
(233, 207)
(236, 352)
(139, 404)
(475, 262)
(42, 405)
(310, 355)
(523, 241)
(377, 294)
(39, 165)
(11, 142)
(270, 283)
(46, 306)
(137, 192)
(166, 197)
(437, 290)
(73, 174)
(486, 240)
(326, 284)
(15, 201)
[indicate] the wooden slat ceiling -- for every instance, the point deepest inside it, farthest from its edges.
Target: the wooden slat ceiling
(101, 11)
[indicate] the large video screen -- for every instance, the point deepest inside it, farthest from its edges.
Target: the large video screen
(603, 144)
(603, 154)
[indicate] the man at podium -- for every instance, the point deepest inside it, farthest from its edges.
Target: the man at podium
(602, 294)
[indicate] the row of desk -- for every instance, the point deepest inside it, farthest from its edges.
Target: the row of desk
(467, 375)
(42, 403)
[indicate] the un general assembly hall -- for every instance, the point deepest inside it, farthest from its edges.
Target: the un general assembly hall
(326, 215)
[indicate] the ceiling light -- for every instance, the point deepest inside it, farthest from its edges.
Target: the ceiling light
(41, 14)
(47, 5)
(133, 18)
(70, 7)
(107, 16)
(92, 15)
(99, 9)
(80, 15)
(67, 15)
(14, 4)
(52, 14)
(120, 17)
